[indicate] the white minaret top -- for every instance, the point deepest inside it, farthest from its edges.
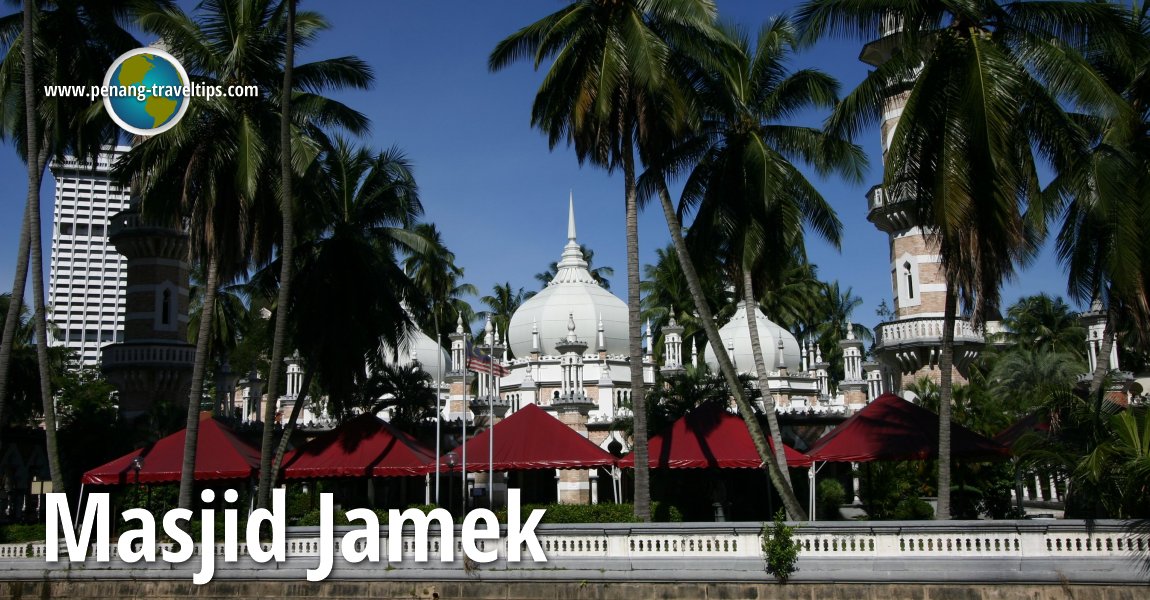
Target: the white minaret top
(602, 342)
(459, 323)
(487, 336)
(534, 335)
(572, 267)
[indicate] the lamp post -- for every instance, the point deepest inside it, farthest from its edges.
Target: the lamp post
(137, 465)
(451, 473)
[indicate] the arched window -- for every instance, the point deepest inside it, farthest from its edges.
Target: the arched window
(909, 280)
(166, 308)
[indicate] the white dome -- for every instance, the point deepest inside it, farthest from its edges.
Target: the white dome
(573, 293)
(737, 333)
(419, 346)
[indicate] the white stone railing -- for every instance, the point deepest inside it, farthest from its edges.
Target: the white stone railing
(924, 328)
(880, 540)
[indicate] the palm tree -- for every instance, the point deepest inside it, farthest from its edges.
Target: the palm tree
(407, 391)
(1044, 323)
(503, 302)
(665, 289)
(752, 201)
(599, 274)
(608, 93)
(72, 42)
(435, 274)
(216, 166)
(1105, 195)
(347, 268)
(981, 84)
(268, 467)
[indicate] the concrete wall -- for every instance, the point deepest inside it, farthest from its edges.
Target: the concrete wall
(481, 590)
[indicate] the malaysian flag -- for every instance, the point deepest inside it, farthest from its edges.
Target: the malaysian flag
(481, 363)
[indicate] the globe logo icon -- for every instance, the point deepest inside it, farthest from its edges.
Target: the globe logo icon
(146, 91)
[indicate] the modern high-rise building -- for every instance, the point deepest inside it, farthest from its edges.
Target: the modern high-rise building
(88, 278)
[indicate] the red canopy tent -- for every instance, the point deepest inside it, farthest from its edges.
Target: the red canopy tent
(220, 454)
(708, 436)
(531, 439)
(890, 428)
(362, 447)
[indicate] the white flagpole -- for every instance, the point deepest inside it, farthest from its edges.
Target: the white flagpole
(467, 349)
(438, 403)
(491, 429)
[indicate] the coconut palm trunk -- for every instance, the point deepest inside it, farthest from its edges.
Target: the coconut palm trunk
(267, 473)
(12, 319)
(192, 431)
(945, 395)
(635, 337)
(1102, 367)
(289, 427)
(770, 462)
(36, 253)
(750, 306)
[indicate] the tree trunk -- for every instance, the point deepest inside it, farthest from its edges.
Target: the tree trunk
(36, 251)
(635, 339)
(267, 469)
(794, 508)
(192, 432)
(750, 306)
(1102, 368)
(945, 394)
(289, 427)
(12, 319)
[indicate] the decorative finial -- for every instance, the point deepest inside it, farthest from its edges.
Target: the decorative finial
(487, 338)
(850, 330)
(571, 217)
(571, 327)
(459, 323)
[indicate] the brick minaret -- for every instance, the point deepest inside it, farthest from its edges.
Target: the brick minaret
(154, 362)
(909, 345)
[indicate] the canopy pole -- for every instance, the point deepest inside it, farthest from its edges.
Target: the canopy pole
(79, 506)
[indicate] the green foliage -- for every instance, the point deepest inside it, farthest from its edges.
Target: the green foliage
(912, 509)
(884, 485)
(830, 496)
(14, 533)
(780, 550)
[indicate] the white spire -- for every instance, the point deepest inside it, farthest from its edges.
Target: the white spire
(459, 323)
(487, 338)
(602, 341)
(572, 266)
(850, 330)
(571, 216)
(534, 335)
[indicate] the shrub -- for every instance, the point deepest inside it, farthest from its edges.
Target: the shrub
(780, 550)
(830, 497)
(912, 509)
(30, 532)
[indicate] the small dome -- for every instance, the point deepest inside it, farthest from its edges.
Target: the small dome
(573, 293)
(737, 333)
(421, 347)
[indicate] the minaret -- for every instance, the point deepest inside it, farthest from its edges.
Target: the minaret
(154, 362)
(456, 377)
(910, 343)
(672, 347)
(822, 372)
(853, 386)
(573, 407)
(1118, 387)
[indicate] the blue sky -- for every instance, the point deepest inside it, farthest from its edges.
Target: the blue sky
(490, 182)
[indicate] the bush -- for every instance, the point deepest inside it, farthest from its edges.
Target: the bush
(780, 550)
(912, 509)
(830, 497)
(31, 532)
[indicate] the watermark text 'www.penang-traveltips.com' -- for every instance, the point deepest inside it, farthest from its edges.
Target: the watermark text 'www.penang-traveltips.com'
(142, 92)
